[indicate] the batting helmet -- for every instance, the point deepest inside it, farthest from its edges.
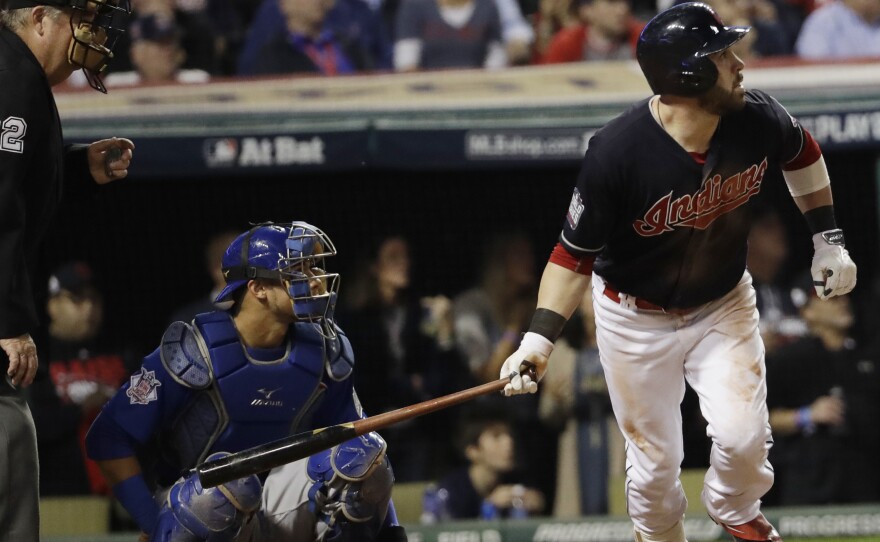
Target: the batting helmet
(674, 48)
(291, 252)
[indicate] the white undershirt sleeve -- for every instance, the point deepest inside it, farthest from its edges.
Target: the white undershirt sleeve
(807, 180)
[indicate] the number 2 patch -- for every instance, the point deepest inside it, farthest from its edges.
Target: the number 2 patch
(13, 132)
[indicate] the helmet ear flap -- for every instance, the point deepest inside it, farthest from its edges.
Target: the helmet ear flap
(696, 76)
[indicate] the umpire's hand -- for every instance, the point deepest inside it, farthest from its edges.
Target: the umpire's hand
(109, 159)
(22, 354)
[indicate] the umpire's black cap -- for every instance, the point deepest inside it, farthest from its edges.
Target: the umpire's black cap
(17, 4)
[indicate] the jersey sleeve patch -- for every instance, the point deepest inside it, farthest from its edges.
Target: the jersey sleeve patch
(575, 209)
(142, 389)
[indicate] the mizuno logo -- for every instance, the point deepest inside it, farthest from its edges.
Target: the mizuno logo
(266, 400)
(267, 393)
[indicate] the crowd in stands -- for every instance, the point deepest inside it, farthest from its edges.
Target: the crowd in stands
(192, 41)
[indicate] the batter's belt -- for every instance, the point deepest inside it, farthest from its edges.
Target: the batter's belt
(613, 294)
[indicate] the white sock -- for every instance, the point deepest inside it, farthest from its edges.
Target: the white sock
(673, 534)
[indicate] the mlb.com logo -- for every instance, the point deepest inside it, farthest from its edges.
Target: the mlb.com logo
(263, 151)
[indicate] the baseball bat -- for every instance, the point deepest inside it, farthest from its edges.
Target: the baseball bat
(295, 447)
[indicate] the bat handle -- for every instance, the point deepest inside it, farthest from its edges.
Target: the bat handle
(528, 369)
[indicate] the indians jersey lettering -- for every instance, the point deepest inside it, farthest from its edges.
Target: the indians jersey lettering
(715, 198)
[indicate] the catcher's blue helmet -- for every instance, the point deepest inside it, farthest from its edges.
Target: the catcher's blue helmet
(674, 47)
(292, 253)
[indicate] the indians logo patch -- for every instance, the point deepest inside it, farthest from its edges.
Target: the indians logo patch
(575, 209)
(142, 389)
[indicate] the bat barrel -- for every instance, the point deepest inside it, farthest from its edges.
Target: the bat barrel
(270, 455)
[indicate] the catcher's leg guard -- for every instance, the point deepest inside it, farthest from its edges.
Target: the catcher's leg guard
(192, 513)
(351, 488)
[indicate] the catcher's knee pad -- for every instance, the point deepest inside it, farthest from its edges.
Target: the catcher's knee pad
(195, 513)
(351, 487)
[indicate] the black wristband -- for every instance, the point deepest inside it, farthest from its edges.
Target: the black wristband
(821, 219)
(548, 324)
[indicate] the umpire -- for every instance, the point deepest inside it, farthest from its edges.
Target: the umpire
(42, 42)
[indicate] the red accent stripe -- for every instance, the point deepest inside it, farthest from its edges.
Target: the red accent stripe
(808, 155)
(699, 157)
(562, 257)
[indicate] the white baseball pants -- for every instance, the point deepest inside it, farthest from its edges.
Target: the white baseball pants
(647, 356)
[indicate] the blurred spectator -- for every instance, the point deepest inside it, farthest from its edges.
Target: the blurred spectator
(489, 320)
(229, 21)
(214, 250)
(352, 21)
(406, 352)
(309, 44)
(576, 397)
(824, 400)
(768, 37)
(83, 371)
(767, 256)
(841, 29)
(156, 54)
(516, 32)
(551, 17)
(440, 34)
(607, 31)
(487, 486)
(490, 317)
(197, 36)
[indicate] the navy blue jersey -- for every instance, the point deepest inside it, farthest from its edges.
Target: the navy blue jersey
(662, 226)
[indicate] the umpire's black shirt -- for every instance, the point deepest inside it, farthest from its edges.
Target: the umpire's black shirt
(33, 164)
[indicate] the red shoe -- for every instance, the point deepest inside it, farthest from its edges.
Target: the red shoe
(757, 530)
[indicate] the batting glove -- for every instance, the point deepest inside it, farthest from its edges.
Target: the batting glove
(834, 272)
(534, 348)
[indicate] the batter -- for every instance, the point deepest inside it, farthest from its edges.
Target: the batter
(658, 225)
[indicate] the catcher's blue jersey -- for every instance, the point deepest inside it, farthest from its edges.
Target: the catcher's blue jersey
(220, 396)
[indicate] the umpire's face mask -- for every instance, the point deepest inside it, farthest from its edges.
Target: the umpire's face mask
(96, 25)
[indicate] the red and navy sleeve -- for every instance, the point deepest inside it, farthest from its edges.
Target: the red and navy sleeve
(798, 149)
(587, 220)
